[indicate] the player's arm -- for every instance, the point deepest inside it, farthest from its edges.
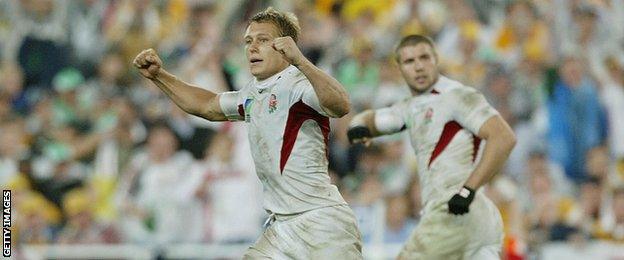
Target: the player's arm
(500, 140)
(331, 94)
(474, 113)
(191, 99)
(372, 123)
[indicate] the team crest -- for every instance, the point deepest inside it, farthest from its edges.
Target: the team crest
(272, 103)
(428, 115)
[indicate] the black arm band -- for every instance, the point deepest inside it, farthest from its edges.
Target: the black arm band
(358, 132)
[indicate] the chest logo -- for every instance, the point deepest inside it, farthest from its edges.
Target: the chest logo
(272, 103)
(428, 115)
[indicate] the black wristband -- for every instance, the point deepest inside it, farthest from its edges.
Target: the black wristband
(358, 132)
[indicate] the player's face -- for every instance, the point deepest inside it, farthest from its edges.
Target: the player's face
(264, 61)
(419, 67)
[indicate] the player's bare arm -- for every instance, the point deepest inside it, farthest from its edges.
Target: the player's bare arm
(191, 99)
(330, 92)
(500, 140)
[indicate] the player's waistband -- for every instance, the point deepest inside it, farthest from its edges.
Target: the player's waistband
(286, 217)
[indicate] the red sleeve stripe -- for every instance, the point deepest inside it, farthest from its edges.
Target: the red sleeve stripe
(476, 142)
(241, 110)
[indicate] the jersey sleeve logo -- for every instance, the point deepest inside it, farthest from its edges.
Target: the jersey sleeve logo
(272, 103)
(247, 106)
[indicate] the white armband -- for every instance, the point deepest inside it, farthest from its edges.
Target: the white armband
(228, 101)
(387, 121)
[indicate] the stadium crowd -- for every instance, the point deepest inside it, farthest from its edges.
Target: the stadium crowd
(95, 154)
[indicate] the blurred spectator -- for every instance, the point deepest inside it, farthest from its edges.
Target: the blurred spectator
(202, 64)
(39, 39)
(13, 148)
(133, 26)
(67, 105)
(576, 119)
(614, 229)
(36, 219)
(360, 74)
(85, 31)
(499, 93)
(597, 163)
(612, 96)
(415, 201)
(150, 208)
(12, 86)
(123, 132)
(399, 225)
(503, 192)
(592, 202)
(394, 173)
(107, 83)
(468, 65)
(225, 198)
(81, 226)
(546, 211)
(522, 35)
(392, 87)
(367, 192)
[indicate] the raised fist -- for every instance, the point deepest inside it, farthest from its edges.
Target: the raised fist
(288, 48)
(148, 63)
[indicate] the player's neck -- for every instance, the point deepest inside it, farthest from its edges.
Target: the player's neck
(428, 90)
(280, 70)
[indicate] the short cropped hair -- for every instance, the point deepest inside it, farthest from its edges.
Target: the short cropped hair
(286, 23)
(413, 40)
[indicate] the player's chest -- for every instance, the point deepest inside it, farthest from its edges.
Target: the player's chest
(265, 107)
(426, 118)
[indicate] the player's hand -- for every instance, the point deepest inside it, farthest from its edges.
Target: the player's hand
(460, 202)
(359, 134)
(148, 63)
(288, 48)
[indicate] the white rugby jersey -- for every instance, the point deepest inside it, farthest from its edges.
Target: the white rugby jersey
(288, 135)
(442, 125)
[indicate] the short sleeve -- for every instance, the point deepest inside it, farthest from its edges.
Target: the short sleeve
(389, 120)
(470, 108)
(231, 106)
(304, 91)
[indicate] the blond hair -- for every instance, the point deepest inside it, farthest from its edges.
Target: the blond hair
(286, 23)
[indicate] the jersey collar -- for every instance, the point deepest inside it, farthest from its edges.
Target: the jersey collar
(435, 89)
(270, 81)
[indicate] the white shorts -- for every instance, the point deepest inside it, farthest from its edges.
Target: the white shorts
(477, 234)
(325, 233)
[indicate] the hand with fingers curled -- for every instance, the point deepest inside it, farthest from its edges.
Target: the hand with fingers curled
(148, 63)
(288, 48)
(460, 202)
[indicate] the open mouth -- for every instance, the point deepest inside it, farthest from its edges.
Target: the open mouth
(255, 61)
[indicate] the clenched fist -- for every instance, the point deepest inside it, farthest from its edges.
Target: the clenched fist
(288, 48)
(148, 63)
